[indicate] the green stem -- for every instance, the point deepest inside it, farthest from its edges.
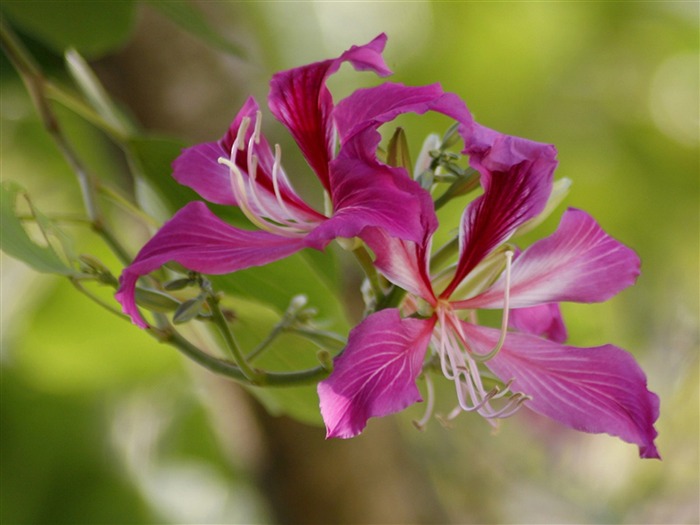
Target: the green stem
(461, 186)
(37, 86)
(324, 339)
(253, 376)
(443, 254)
(111, 194)
(170, 336)
(76, 282)
(79, 107)
(262, 346)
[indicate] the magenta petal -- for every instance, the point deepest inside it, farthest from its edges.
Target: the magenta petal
(600, 389)
(515, 191)
(198, 166)
(544, 320)
(300, 100)
(376, 373)
(491, 151)
(403, 263)
(366, 193)
(372, 107)
(200, 241)
(579, 262)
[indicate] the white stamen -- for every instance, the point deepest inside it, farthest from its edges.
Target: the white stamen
(239, 143)
(276, 169)
(255, 201)
(506, 310)
(461, 366)
(252, 167)
(258, 125)
(239, 192)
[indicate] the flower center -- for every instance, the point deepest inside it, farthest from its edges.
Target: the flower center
(264, 207)
(461, 365)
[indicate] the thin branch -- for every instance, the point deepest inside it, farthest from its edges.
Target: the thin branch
(37, 86)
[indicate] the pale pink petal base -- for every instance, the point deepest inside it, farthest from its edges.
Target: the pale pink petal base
(579, 262)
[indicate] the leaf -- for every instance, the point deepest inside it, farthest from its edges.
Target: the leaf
(192, 20)
(93, 28)
(15, 241)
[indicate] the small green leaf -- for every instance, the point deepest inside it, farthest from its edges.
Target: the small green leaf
(191, 19)
(156, 301)
(189, 309)
(178, 284)
(15, 241)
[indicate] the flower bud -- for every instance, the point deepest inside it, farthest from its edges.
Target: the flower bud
(156, 301)
(189, 309)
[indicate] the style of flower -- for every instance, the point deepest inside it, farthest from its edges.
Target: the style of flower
(599, 389)
(242, 170)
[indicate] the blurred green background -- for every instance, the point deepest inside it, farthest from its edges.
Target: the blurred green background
(99, 424)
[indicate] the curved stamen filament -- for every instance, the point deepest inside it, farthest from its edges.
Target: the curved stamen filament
(258, 126)
(506, 310)
(252, 198)
(276, 169)
(458, 364)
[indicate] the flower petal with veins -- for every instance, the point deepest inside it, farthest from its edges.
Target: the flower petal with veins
(579, 262)
(600, 389)
(376, 373)
(200, 241)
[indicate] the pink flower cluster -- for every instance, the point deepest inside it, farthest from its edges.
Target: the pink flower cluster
(600, 389)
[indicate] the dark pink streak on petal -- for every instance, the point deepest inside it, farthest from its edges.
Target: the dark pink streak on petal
(201, 242)
(300, 100)
(579, 262)
(512, 195)
(376, 373)
(600, 389)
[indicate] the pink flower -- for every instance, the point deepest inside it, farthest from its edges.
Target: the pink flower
(599, 389)
(243, 170)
